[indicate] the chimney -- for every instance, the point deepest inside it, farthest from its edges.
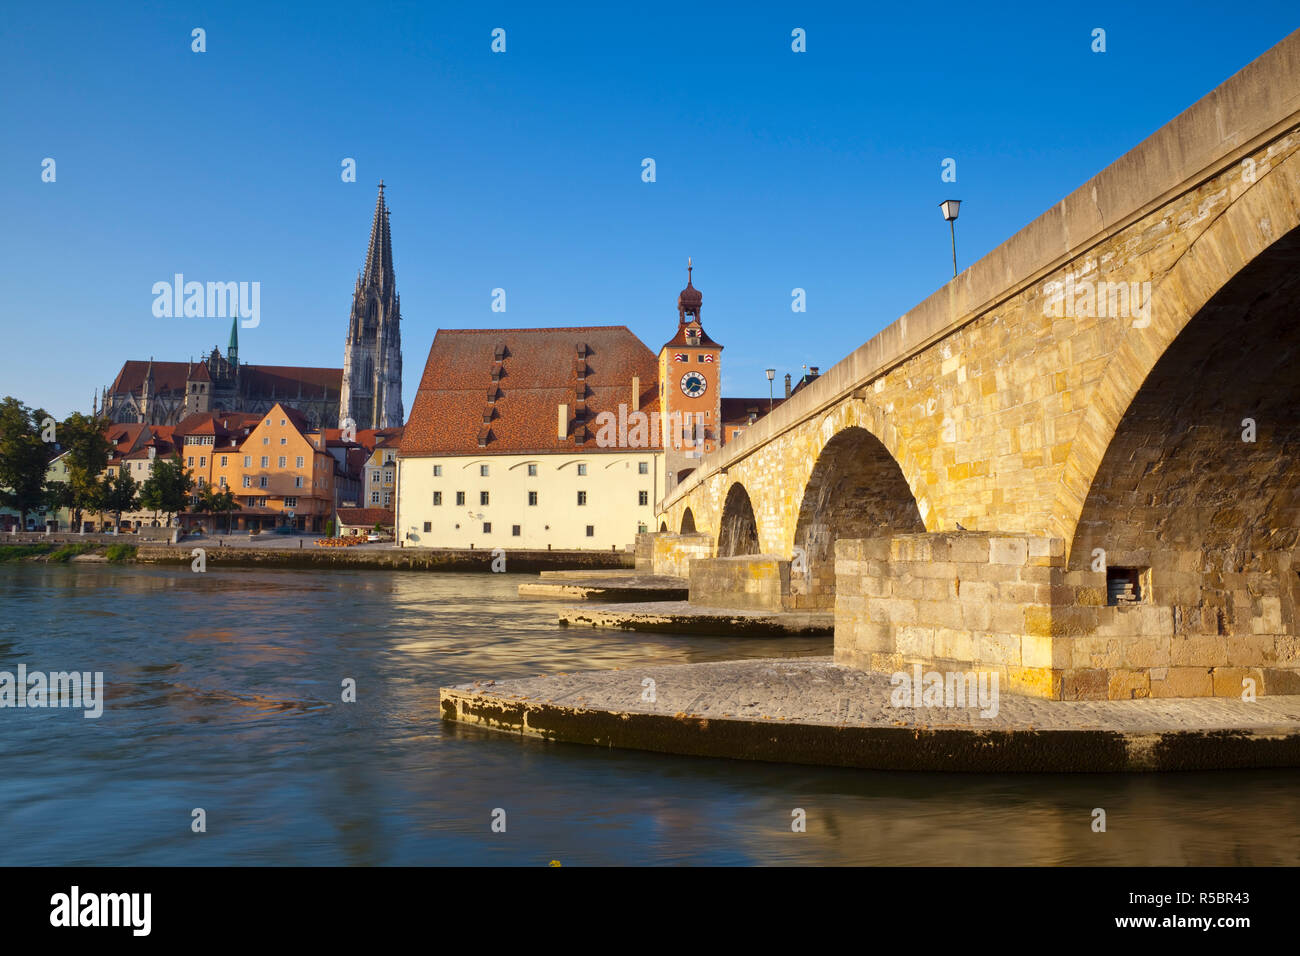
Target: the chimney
(814, 371)
(787, 384)
(563, 430)
(636, 393)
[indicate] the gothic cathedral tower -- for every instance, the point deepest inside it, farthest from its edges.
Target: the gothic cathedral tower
(372, 357)
(690, 392)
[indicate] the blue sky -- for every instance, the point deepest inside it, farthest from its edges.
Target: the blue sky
(522, 170)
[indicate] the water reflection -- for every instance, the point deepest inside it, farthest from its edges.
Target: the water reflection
(223, 692)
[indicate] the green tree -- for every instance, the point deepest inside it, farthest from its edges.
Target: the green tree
(215, 502)
(167, 489)
(119, 493)
(24, 457)
(88, 450)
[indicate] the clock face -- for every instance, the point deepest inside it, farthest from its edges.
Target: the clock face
(694, 385)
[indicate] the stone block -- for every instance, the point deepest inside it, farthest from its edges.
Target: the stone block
(1183, 682)
(1013, 551)
(1128, 684)
(997, 649)
(1084, 685)
(973, 549)
(1192, 650)
(1227, 681)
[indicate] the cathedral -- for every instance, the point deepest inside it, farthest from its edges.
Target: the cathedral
(368, 389)
(372, 356)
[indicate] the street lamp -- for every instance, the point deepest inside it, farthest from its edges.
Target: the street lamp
(949, 207)
(771, 374)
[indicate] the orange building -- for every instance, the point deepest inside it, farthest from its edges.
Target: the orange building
(281, 474)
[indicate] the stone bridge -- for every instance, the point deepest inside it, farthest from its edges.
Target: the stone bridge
(1076, 463)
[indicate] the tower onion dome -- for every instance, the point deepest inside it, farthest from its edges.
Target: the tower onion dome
(689, 299)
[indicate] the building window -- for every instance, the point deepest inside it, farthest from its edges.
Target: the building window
(487, 527)
(248, 461)
(483, 470)
(222, 482)
(460, 497)
(291, 502)
(388, 477)
(374, 497)
(266, 462)
(428, 526)
(532, 471)
(300, 461)
(582, 497)
(248, 482)
(266, 439)
(203, 461)
(297, 481)
(437, 498)
(284, 441)
(482, 497)
(532, 497)
(582, 469)
(591, 531)
(437, 471)
(514, 530)
(374, 477)
(388, 498)
(282, 423)
(189, 462)
(643, 467)
(643, 498)
(261, 482)
(282, 461)
(225, 460)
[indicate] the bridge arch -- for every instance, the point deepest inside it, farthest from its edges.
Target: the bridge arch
(856, 490)
(688, 522)
(738, 528)
(1195, 505)
(1260, 217)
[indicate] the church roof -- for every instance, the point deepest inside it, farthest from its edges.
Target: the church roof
(167, 377)
(284, 380)
(469, 403)
(280, 381)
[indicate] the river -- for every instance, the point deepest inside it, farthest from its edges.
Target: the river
(223, 694)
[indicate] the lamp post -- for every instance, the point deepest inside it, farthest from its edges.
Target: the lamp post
(949, 207)
(771, 374)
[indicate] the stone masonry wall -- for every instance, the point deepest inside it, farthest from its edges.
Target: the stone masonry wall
(673, 553)
(747, 581)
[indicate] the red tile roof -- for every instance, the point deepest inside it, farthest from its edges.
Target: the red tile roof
(519, 396)
(735, 411)
(365, 517)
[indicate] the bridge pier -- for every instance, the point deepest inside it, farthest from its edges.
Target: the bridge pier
(984, 601)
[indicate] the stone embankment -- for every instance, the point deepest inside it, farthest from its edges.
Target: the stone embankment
(405, 559)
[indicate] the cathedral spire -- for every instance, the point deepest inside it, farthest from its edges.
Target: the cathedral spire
(379, 256)
(232, 348)
(371, 395)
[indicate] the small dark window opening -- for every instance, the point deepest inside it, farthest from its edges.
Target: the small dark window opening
(1123, 586)
(514, 530)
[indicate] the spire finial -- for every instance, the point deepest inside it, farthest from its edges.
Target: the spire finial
(381, 186)
(689, 267)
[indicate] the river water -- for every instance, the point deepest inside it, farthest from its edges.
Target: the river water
(223, 693)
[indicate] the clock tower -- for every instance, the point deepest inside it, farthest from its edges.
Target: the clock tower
(690, 388)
